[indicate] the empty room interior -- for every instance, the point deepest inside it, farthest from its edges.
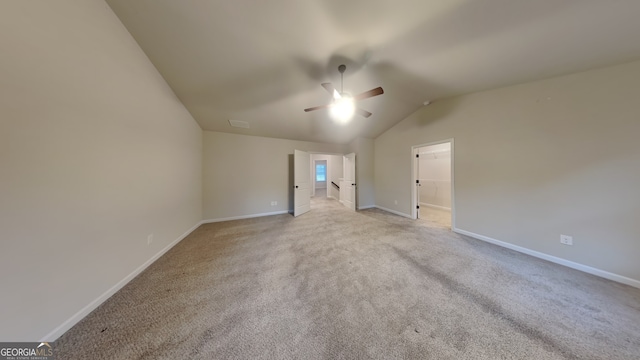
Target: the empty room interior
(321, 179)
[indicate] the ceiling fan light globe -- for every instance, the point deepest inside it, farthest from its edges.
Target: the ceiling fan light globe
(342, 109)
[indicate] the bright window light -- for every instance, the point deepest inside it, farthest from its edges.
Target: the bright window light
(321, 172)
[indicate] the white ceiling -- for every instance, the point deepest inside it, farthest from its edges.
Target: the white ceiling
(263, 61)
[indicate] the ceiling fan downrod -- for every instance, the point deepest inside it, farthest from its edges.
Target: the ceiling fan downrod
(341, 69)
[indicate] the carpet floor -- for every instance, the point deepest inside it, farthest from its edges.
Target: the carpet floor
(336, 284)
(435, 217)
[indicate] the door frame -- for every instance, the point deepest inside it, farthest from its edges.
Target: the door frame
(414, 177)
(355, 172)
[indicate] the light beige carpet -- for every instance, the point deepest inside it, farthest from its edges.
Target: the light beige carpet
(334, 284)
(434, 217)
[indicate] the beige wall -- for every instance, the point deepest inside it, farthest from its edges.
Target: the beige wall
(533, 161)
(365, 192)
(96, 153)
(243, 174)
(336, 167)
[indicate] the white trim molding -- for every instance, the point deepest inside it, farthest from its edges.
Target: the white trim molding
(394, 212)
(553, 259)
(435, 206)
(366, 207)
(240, 217)
(69, 323)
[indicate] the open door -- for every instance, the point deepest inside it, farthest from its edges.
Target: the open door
(348, 183)
(301, 182)
(416, 175)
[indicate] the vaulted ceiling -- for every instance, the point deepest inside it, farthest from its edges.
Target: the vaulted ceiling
(263, 61)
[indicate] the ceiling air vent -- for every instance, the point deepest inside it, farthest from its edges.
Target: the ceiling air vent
(239, 124)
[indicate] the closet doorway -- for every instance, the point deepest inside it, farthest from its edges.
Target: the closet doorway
(432, 198)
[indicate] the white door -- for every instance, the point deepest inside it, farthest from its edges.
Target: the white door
(301, 182)
(348, 183)
(418, 185)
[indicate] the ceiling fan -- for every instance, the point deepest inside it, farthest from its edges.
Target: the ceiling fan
(343, 105)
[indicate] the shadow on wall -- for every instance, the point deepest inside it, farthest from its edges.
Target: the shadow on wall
(452, 28)
(291, 183)
(438, 111)
(405, 86)
(430, 115)
(257, 88)
(411, 89)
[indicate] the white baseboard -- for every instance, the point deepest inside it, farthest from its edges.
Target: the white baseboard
(246, 216)
(554, 259)
(394, 212)
(435, 206)
(366, 207)
(69, 323)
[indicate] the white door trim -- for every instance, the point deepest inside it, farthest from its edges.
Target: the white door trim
(414, 177)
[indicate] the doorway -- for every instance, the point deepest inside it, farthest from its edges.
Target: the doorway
(311, 187)
(432, 193)
(320, 176)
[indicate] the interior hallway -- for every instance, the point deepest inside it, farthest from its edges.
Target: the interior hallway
(320, 193)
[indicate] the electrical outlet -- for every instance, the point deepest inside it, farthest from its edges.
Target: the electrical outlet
(149, 239)
(566, 239)
(274, 203)
(396, 202)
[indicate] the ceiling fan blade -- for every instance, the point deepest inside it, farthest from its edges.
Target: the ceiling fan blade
(331, 90)
(316, 108)
(329, 87)
(364, 113)
(367, 94)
